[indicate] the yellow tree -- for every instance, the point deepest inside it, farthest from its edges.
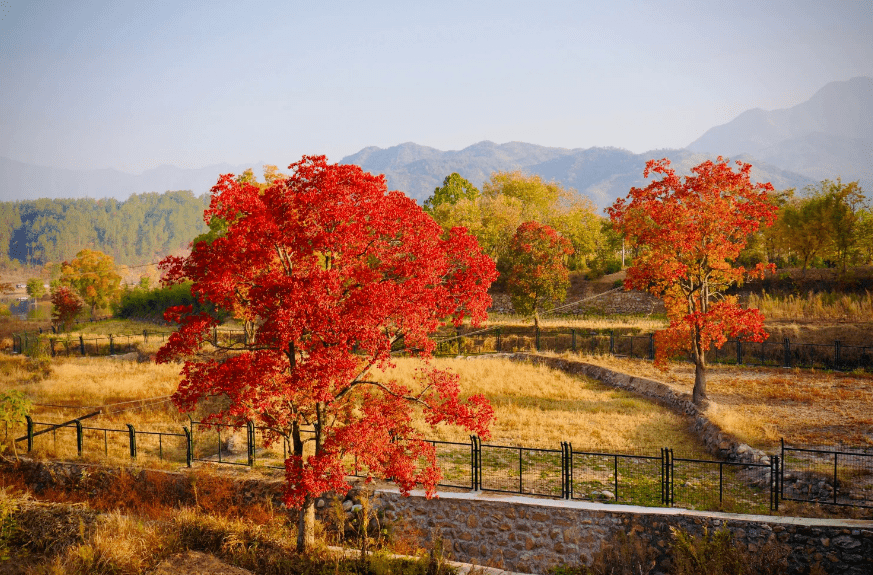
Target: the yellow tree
(93, 276)
(510, 198)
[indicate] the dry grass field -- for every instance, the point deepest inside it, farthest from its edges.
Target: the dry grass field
(534, 406)
(539, 407)
(762, 405)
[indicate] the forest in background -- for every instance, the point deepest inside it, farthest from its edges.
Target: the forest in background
(139, 230)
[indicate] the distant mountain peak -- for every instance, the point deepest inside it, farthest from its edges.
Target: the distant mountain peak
(829, 135)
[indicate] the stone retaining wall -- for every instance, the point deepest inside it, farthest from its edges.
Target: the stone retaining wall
(531, 535)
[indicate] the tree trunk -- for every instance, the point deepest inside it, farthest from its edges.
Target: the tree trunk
(306, 526)
(698, 394)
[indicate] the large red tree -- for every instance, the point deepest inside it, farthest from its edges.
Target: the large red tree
(329, 271)
(690, 231)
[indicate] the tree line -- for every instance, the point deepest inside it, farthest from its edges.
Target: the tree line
(138, 230)
(826, 225)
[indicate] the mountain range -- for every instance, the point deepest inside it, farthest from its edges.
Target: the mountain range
(828, 136)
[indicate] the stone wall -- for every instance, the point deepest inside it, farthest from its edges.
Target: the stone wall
(531, 535)
(525, 534)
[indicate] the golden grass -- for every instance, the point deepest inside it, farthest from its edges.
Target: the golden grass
(67, 388)
(761, 405)
(641, 323)
(539, 407)
(534, 406)
(815, 307)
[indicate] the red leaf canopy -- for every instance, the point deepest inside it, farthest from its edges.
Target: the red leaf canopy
(690, 231)
(329, 270)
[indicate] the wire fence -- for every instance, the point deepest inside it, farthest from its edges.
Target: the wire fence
(509, 339)
(838, 476)
(504, 339)
(842, 477)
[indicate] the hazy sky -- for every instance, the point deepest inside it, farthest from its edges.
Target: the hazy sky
(132, 85)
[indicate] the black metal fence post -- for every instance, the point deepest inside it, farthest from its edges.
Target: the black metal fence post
(82, 345)
(651, 347)
(29, 421)
(52, 346)
(111, 345)
(573, 335)
(476, 462)
(837, 349)
(497, 347)
(250, 441)
(739, 352)
(131, 433)
(79, 437)
(189, 448)
(537, 336)
(569, 470)
(775, 481)
(667, 476)
(787, 349)
(612, 342)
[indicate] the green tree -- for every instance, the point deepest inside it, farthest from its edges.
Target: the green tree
(35, 288)
(14, 405)
(510, 198)
(454, 188)
(537, 272)
(846, 202)
(805, 227)
(93, 276)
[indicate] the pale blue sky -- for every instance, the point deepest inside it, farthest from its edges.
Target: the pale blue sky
(132, 85)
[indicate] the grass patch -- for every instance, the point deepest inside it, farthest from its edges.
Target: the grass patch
(539, 407)
(761, 405)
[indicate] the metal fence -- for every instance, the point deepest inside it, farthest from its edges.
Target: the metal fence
(85, 345)
(507, 339)
(833, 476)
(808, 475)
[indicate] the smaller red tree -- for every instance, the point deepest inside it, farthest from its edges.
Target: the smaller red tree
(536, 270)
(66, 305)
(690, 231)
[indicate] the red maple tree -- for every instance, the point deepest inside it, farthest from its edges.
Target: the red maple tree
(537, 270)
(66, 305)
(329, 272)
(690, 231)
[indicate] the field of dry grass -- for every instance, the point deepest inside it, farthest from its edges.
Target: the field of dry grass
(534, 406)
(635, 323)
(762, 405)
(539, 407)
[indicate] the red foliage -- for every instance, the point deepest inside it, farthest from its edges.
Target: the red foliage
(66, 305)
(690, 231)
(329, 272)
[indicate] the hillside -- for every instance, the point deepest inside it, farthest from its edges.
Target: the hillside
(603, 174)
(829, 135)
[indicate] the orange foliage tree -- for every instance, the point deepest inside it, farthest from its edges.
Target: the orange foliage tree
(690, 231)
